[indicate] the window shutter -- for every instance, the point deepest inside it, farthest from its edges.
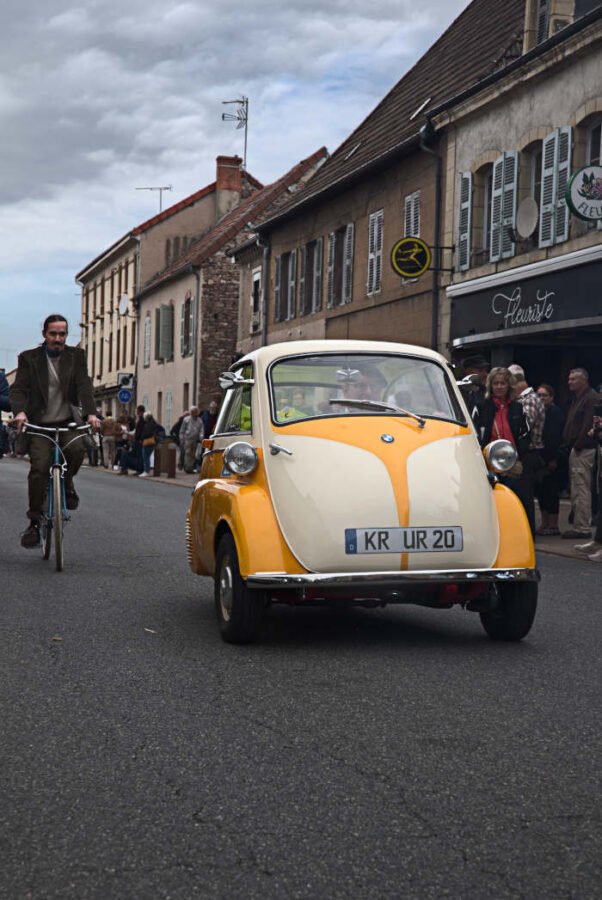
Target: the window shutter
(497, 184)
(564, 173)
(378, 246)
(465, 226)
(332, 237)
(147, 341)
(302, 269)
(371, 241)
(158, 333)
(191, 316)
(292, 274)
(407, 216)
(317, 286)
(183, 329)
(510, 193)
(416, 215)
(542, 21)
(548, 189)
(348, 264)
(166, 329)
(277, 292)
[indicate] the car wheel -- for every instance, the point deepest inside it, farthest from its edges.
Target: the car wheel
(239, 609)
(511, 620)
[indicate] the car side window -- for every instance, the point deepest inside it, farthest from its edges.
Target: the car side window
(238, 418)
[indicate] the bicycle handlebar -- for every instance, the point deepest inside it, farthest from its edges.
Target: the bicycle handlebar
(55, 428)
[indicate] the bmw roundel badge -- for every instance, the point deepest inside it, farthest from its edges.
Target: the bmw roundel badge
(387, 438)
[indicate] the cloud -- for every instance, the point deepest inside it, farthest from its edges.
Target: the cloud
(100, 98)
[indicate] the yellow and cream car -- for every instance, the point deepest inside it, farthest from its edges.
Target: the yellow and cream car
(350, 471)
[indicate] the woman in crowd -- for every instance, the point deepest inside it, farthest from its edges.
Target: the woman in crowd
(547, 490)
(501, 417)
(149, 441)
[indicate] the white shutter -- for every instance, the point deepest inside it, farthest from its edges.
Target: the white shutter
(292, 274)
(378, 250)
(549, 171)
(277, 292)
(183, 329)
(371, 266)
(332, 237)
(495, 230)
(509, 197)
(564, 173)
(416, 215)
(191, 317)
(302, 267)
(465, 224)
(317, 285)
(348, 264)
(407, 216)
(147, 340)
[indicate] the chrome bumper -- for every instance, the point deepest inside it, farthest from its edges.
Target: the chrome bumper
(280, 580)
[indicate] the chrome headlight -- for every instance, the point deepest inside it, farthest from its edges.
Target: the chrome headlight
(240, 458)
(500, 456)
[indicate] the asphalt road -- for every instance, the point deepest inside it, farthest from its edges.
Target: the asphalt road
(395, 753)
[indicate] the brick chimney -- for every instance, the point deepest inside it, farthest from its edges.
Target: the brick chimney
(228, 183)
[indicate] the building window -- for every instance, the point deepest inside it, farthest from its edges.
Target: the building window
(164, 332)
(118, 347)
(186, 397)
(285, 286)
(541, 24)
(133, 344)
(375, 252)
(256, 301)
(503, 206)
(594, 144)
(187, 326)
(126, 270)
(553, 210)
(339, 278)
(159, 411)
(147, 339)
(411, 215)
(110, 361)
(125, 346)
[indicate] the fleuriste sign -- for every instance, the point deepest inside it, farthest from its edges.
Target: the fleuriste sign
(584, 193)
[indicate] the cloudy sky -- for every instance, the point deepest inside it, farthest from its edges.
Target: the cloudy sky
(103, 97)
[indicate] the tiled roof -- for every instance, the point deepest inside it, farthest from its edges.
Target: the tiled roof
(232, 227)
(462, 56)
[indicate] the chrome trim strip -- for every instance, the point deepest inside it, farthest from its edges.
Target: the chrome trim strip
(388, 579)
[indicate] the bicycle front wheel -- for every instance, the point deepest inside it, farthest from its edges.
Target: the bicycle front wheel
(46, 530)
(57, 517)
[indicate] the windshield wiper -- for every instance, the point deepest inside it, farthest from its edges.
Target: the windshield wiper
(376, 404)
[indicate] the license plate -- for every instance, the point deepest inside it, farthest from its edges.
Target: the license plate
(446, 539)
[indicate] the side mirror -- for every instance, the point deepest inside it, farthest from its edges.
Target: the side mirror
(229, 380)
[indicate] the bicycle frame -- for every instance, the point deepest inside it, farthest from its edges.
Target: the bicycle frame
(56, 514)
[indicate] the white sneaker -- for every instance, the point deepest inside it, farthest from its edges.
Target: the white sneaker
(144, 474)
(588, 547)
(596, 557)
(116, 468)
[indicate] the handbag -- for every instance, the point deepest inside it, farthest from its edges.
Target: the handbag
(148, 442)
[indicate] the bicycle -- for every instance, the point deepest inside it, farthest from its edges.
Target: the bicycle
(56, 514)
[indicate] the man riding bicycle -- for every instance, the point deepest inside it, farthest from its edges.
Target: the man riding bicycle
(50, 381)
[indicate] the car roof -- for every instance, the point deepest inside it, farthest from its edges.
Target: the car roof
(263, 356)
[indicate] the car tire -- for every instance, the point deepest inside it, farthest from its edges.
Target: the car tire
(239, 609)
(513, 617)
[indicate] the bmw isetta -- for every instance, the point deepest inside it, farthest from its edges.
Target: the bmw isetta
(351, 472)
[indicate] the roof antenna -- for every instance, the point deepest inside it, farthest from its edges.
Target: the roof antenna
(167, 187)
(242, 117)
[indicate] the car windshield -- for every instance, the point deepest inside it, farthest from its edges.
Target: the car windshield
(360, 384)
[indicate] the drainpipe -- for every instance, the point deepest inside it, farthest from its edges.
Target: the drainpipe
(428, 136)
(136, 305)
(266, 247)
(197, 316)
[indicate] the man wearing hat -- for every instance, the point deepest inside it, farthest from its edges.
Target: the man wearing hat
(476, 365)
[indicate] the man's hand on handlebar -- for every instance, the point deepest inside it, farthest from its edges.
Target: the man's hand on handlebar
(93, 422)
(20, 421)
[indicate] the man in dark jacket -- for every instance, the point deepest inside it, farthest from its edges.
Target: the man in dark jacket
(4, 398)
(50, 380)
(578, 436)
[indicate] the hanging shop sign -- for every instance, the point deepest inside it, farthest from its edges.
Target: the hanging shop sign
(584, 193)
(411, 257)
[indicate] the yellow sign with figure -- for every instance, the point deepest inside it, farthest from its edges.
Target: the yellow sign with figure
(411, 257)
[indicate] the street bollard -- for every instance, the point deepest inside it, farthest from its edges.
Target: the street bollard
(165, 460)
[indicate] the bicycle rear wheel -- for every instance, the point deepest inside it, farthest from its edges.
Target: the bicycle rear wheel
(57, 517)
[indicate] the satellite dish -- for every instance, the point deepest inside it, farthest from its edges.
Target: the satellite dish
(527, 217)
(124, 302)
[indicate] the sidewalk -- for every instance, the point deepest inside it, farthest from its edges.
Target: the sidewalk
(182, 479)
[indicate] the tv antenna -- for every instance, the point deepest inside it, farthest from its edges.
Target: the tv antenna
(167, 187)
(241, 116)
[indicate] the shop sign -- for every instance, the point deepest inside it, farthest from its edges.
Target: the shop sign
(411, 257)
(584, 193)
(556, 297)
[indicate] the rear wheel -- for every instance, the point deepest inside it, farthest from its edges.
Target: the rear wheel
(511, 620)
(239, 609)
(57, 517)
